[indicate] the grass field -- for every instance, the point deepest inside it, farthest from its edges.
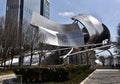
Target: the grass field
(6, 72)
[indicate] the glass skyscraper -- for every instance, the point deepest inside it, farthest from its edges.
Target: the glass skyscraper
(18, 16)
(22, 9)
(45, 8)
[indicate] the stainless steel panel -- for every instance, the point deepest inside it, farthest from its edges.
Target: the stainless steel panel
(93, 26)
(68, 35)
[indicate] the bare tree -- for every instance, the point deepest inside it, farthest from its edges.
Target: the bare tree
(32, 38)
(36, 43)
(118, 33)
(1, 37)
(118, 40)
(10, 38)
(110, 59)
(1, 28)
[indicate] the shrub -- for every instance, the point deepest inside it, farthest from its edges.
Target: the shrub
(50, 73)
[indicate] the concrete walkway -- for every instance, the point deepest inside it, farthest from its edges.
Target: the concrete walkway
(4, 77)
(103, 76)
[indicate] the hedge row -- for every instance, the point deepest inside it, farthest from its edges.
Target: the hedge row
(54, 74)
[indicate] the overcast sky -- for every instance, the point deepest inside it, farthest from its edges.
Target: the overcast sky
(106, 11)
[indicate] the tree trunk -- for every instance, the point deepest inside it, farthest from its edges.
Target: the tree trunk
(81, 58)
(39, 59)
(21, 60)
(4, 60)
(11, 61)
(87, 57)
(31, 56)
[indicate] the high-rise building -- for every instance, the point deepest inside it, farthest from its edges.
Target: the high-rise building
(21, 6)
(19, 34)
(45, 8)
(21, 10)
(18, 16)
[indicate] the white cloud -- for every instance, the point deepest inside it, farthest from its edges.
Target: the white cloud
(66, 14)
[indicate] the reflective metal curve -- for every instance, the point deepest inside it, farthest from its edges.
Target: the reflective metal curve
(68, 35)
(92, 26)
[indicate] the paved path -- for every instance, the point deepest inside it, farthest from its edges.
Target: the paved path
(103, 76)
(4, 77)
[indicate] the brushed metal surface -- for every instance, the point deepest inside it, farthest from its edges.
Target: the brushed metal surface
(69, 35)
(93, 27)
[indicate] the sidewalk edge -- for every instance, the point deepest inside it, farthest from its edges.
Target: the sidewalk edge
(88, 77)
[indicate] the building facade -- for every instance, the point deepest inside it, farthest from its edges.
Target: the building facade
(45, 8)
(18, 16)
(18, 31)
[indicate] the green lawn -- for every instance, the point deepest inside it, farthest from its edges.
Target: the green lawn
(2, 72)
